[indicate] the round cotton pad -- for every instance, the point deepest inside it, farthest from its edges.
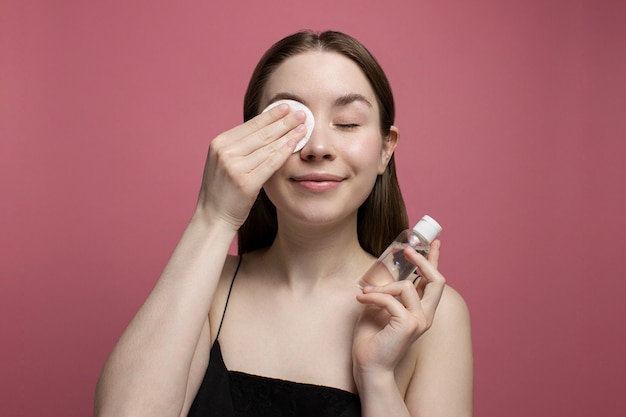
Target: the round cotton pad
(309, 121)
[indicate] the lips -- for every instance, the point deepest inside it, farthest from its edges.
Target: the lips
(318, 182)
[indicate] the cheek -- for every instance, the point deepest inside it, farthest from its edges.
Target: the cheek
(364, 150)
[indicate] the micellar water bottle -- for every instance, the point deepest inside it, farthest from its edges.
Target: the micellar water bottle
(392, 265)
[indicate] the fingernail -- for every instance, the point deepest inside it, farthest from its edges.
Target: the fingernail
(299, 115)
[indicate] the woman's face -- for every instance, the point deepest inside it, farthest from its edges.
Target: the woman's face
(336, 170)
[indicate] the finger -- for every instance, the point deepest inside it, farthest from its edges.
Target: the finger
(421, 284)
(388, 303)
(424, 265)
(260, 133)
(264, 162)
(434, 282)
(259, 121)
(226, 166)
(433, 255)
(404, 289)
(278, 129)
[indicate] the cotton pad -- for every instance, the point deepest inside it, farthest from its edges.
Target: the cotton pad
(309, 121)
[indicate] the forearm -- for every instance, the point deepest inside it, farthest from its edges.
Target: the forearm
(380, 396)
(149, 367)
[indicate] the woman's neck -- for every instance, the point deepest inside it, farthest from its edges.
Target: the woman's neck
(307, 256)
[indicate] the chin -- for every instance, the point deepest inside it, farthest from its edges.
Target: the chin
(320, 216)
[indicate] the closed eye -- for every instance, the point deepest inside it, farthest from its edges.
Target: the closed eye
(347, 126)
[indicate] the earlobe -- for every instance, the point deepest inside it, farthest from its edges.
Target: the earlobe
(390, 142)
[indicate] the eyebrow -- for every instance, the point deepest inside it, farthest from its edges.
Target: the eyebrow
(286, 96)
(339, 102)
(351, 98)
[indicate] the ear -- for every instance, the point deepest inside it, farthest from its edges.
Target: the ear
(389, 146)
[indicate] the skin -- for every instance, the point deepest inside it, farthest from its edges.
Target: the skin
(296, 312)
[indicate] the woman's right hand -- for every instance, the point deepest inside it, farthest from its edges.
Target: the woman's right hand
(242, 159)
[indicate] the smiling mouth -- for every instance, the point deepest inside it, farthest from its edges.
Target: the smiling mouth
(318, 182)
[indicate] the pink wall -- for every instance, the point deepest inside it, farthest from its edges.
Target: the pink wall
(513, 136)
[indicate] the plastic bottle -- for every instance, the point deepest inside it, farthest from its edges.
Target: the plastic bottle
(392, 265)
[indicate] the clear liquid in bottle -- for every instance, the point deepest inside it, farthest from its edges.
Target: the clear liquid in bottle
(392, 265)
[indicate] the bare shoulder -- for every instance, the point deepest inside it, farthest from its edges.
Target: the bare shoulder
(451, 324)
(442, 381)
(452, 309)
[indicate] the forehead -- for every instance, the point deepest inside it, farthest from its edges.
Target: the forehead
(317, 76)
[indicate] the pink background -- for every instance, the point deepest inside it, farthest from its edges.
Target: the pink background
(512, 116)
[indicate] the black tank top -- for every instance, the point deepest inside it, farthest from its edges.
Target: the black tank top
(227, 393)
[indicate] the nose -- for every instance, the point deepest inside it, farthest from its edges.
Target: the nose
(320, 145)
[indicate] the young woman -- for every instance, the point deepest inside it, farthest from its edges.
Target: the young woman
(282, 329)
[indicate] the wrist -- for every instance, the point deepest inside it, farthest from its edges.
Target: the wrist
(379, 394)
(203, 218)
(208, 233)
(374, 380)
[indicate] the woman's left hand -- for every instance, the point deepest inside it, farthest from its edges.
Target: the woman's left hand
(396, 315)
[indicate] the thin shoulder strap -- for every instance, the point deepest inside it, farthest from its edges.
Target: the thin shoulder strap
(228, 297)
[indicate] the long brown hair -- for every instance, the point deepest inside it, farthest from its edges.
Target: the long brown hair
(383, 214)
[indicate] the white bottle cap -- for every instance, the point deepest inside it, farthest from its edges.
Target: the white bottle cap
(428, 228)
